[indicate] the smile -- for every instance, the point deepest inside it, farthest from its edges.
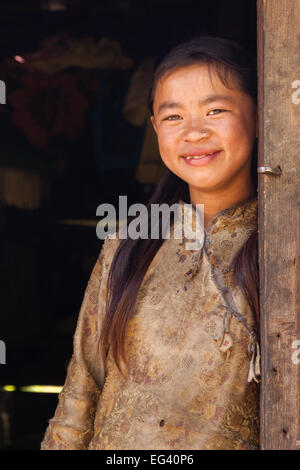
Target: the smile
(198, 156)
(199, 160)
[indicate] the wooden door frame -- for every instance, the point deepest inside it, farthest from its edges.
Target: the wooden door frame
(278, 47)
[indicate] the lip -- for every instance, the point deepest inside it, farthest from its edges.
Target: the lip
(199, 151)
(201, 161)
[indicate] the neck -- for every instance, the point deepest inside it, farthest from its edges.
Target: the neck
(216, 201)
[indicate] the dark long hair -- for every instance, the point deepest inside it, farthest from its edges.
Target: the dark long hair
(133, 257)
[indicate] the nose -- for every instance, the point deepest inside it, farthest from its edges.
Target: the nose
(195, 129)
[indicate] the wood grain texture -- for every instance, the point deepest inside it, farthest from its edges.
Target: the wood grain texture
(278, 29)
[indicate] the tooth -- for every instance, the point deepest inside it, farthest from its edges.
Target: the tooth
(197, 156)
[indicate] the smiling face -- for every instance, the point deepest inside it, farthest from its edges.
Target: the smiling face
(194, 114)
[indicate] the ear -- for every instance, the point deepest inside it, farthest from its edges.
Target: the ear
(153, 123)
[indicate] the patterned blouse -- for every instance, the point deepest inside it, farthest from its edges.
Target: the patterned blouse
(193, 375)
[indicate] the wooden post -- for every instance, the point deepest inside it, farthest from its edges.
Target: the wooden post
(279, 221)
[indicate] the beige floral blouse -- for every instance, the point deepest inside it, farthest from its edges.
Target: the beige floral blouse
(192, 381)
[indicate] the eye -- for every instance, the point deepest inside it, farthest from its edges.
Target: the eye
(218, 109)
(170, 118)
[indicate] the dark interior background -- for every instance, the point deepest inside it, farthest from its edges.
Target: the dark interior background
(65, 148)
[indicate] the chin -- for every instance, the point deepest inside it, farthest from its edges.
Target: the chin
(203, 180)
(203, 184)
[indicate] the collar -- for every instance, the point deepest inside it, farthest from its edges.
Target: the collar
(227, 231)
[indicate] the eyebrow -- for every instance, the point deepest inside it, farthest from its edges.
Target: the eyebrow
(208, 100)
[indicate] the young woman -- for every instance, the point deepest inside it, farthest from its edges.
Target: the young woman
(166, 353)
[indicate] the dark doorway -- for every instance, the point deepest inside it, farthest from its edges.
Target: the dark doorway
(67, 146)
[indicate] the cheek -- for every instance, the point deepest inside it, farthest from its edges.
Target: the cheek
(238, 133)
(167, 142)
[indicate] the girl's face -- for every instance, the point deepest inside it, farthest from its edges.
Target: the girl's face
(196, 116)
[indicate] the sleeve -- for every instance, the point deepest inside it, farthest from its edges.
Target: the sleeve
(71, 428)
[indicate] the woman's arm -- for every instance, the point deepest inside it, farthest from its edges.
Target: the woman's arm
(73, 421)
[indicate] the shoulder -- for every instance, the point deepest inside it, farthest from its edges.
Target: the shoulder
(103, 262)
(109, 248)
